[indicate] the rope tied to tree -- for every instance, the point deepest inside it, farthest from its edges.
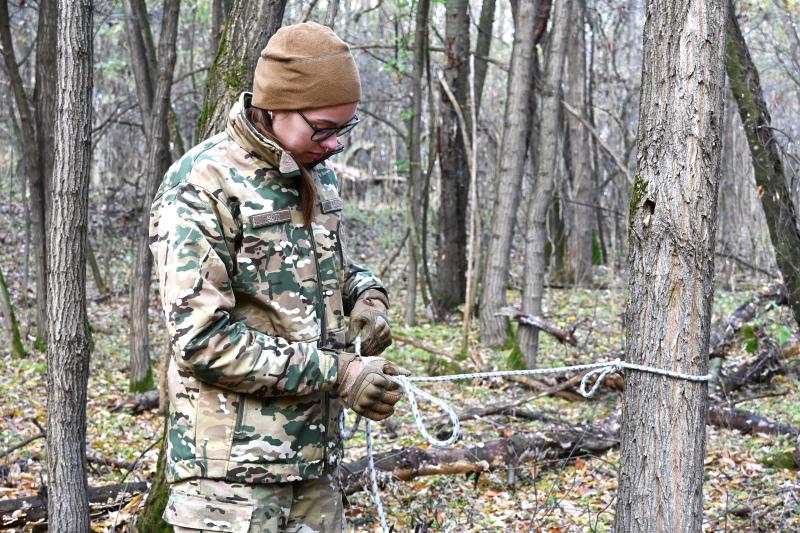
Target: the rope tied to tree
(600, 371)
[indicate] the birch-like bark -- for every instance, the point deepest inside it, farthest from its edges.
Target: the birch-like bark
(672, 226)
(514, 146)
(67, 332)
(546, 165)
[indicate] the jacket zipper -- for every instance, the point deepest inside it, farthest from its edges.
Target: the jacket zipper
(321, 308)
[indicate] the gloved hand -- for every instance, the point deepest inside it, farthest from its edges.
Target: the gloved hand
(369, 320)
(364, 386)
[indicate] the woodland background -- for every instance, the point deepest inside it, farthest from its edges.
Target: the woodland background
(532, 208)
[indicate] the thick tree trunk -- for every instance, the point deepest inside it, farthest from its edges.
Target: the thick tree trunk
(776, 198)
(514, 146)
(249, 27)
(414, 191)
(36, 186)
(158, 159)
(451, 237)
(672, 226)
(549, 152)
(67, 332)
(579, 235)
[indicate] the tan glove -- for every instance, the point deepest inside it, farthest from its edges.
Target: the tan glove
(364, 386)
(369, 320)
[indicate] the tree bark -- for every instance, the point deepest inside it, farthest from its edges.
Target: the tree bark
(44, 113)
(414, 184)
(672, 226)
(579, 235)
(776, 198)
(158, 159)
(514, 146)
(249, 27)
(544, 183)
(10, 319)
(67, 332)
(451, 236)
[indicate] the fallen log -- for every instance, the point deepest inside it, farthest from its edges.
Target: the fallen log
(761, 369)
(746, 422)
(33, 510)
(562, 442)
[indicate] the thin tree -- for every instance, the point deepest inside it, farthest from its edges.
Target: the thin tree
(414, 192)
(36, 143)
(67, 332)
(579, 234)
(516, 132)
(451, 229)
(155, 117)
(546, 165)
(672, 226)
(776, 198)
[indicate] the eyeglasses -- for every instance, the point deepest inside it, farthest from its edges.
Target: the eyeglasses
(320, 134)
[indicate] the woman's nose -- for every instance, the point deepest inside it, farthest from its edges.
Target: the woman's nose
(330, 143)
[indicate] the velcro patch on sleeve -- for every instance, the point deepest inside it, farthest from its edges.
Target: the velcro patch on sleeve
(272, 217)
(332, 204)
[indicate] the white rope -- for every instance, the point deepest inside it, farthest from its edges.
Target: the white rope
(598, 370)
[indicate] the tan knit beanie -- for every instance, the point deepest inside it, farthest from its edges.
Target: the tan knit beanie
(305, 66)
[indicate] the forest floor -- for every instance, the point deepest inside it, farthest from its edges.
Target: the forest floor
(751, 481)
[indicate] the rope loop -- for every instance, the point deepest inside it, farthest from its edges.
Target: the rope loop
(601, 373)
(411, 390)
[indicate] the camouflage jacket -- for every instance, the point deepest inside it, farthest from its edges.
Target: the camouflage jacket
(255, 305)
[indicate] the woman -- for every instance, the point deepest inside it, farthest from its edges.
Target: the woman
(255, 285)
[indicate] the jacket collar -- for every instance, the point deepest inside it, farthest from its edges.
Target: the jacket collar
(248, 137)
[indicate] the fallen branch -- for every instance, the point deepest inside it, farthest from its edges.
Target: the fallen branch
(562, 335)
(21, 444)
(33, 510)
(550, 444)
(723, 333)
(119, 463)
(747, 423)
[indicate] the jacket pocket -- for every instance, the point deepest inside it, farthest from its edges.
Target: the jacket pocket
(207, 514)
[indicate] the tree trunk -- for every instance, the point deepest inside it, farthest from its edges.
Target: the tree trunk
(776, 198)
(67, 332)
(579, 235)
(672, 226)
(149, 520)
(44, 112)
(544, 183)
(158, 158)
(514, 146)
(482, 48)
(414, 193)
(451, 230)
(36, 186)
(249, 27)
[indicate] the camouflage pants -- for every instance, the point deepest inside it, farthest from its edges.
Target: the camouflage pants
(312, 506)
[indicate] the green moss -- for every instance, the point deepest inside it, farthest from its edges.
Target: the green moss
(639, 191)
(145, 384)
(150, 518)
(515, 359)
(597, 251)
(783, 459)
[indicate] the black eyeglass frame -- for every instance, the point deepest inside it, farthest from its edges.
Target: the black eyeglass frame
(320, 134)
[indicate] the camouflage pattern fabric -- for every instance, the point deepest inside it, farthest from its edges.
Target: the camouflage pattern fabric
(255, 305)
(312, 506)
